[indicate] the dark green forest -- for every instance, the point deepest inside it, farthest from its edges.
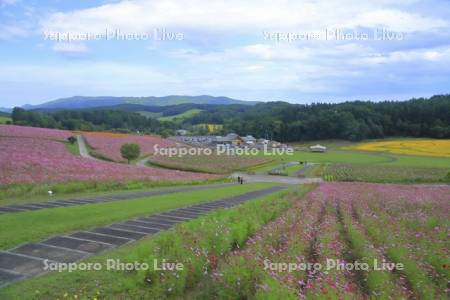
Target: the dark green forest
(356, 120)
(92, 120)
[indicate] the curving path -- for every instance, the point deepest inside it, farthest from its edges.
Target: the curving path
(275, 178)
(143, 162)
(303, 170)
(84, 152)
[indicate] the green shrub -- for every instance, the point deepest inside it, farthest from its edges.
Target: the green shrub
(130, 151)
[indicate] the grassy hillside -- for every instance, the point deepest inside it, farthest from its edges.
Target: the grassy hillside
(4, 119)
(181, 117)
(149, 114)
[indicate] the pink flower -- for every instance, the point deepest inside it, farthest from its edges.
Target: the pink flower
(30, 160)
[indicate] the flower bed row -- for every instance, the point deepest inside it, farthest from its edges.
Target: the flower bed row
(336, 222)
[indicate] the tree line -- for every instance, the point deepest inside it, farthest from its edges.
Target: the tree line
(281, 121)
(92, 120)
(356, 120)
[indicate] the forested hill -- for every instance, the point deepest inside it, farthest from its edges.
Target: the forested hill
(350, 120)
(282, 121)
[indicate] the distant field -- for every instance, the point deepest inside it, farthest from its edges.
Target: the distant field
(3, 119)
(332, 156)
(383, 173)
(427, 147)
(150, 114)
(217, 164)
(343, 162)
(212, 128)
(365, 157)
(182, 116)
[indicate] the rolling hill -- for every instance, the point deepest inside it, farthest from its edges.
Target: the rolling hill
(80, 102)
(5, 110)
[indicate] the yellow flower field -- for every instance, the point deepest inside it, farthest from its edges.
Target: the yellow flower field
(409, 147)
(212, 128)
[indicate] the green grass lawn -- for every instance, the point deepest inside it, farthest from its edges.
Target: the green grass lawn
(182, 116)
(352, 165)
(72, 148)
(384, 173)
(4, 119)
(360, 157)
(292, 169)
(28, 192)
(150, 114)
(332, 156)
(418, 161)
(281, 169)
(216, 234)
(263, 169)
(36, 225)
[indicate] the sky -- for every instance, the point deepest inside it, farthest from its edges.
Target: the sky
(300, 51)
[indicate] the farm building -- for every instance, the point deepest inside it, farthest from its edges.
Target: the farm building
(229, 139)
(249, 140)
(318, 148)
(181, 132)
(262, 141)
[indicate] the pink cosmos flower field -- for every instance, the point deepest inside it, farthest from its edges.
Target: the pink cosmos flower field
(34, 132)
(33, 160)
(108, 144)
(349, 222)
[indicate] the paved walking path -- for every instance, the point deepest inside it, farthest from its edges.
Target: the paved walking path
(105, 198)
(285, 165)
(28, 260)
(302, 171)
(280, 179)
(143, 162)
(84, 152)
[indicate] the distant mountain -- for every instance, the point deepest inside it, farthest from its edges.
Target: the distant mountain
(80, 102)
(5, 109)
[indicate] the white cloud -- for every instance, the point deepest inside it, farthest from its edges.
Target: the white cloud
(396, 20)
(432, 55)
(237, 15)
(225, 51)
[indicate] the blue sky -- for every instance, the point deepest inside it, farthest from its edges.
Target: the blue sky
(225, 48)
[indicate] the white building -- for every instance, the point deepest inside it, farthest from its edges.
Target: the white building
(181, 132)
(318, 148)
